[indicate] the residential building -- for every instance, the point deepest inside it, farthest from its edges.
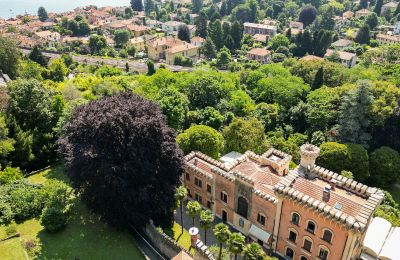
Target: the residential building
(197, 41)
(311, 58)
(260, 38)
(137, 30)
(342, 44)
(347, 59)
(389, 7)
(186, 50)
(305, 213)
(193, 18)
(259, 54)
(47, 36)
(363, 12)
(171, 27)
(4, 78)
(138, 43)
(270, 22)
(156, 48)
(348, 15)
(257, 28)
(296, 25)
(385, 39)
(396, 29)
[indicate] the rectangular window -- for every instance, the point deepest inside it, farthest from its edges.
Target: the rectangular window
(261, 219)
(292, 236)
(197, 182)
(187, 176)
(198, 197)
(307, 245)
(208, 188)
(209, 204)
(224, 197)
(190, 194)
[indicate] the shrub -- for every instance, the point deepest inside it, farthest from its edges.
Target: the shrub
(10, 175)
(59, 195)
(11, 229)
(384, 164)
(333, 156)
(6, 214)
(53, 219)
(32, 246)
(26, 200)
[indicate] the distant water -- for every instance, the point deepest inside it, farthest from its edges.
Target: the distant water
(11, 8)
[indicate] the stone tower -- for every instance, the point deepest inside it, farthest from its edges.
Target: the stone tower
(309, 154)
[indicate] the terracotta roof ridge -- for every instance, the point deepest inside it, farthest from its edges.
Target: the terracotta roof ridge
(199, 171)
(344, 182)
(265, 196)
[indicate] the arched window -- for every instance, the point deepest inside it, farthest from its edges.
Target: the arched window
(295, 218)
(307, 244)
(292, 235)
(303, 258)
(311, 226)
(323, 252)
(327, 236)
(289, 253)
(242, 207)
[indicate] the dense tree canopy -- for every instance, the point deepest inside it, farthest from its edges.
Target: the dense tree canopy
(244, 135)
(201, 138)
(128, 168)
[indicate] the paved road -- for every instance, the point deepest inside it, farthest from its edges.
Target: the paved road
(138, 66)
(146, 247)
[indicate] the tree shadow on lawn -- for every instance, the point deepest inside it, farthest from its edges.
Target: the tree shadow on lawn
(86, 237)
(57, 173)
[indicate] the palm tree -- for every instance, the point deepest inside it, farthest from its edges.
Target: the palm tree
(193, 209)
(236, 244)
(206, 219)
(180, 194)
(253, 251)
(221, 233)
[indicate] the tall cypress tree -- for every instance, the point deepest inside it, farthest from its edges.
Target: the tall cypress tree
(209, 49)
(354, 114)
(321, 42)
(201, 25)
(363, 35)
(149, 6)
(223, 10)
(42, 13)
(137, 5)
(378, 7)
(318, 79)
(215, 32)
(237, 34)
(197, 5)
(306, 42)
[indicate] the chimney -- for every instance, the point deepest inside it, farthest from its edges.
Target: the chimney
(195, 161)
(326, 195)
(333, 184)
(309, 154)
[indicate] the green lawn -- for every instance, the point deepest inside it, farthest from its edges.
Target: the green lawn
(85, 237)
(182, 239)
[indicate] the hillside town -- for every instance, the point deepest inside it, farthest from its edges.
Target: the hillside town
(171, 33)
(201, 129)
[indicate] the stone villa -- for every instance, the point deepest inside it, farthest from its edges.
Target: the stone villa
(305, 213)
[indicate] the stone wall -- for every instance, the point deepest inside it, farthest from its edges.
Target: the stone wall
(163, 242)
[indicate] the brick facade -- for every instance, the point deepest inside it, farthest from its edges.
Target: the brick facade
(258, 194)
